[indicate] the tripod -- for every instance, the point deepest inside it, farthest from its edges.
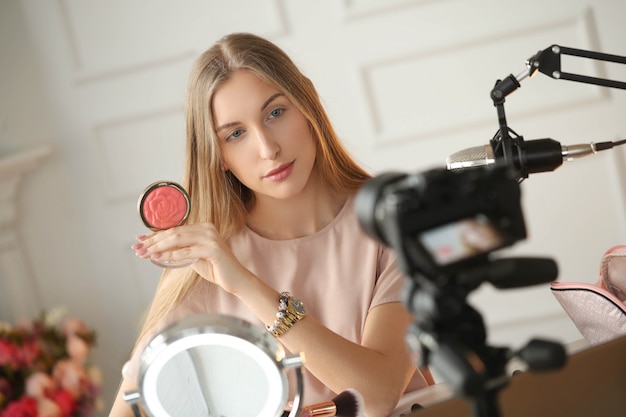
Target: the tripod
(450, 335)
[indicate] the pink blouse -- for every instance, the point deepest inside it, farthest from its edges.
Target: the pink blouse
(339, 273)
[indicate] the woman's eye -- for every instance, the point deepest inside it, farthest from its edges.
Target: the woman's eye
(235, 134)
(275, 113)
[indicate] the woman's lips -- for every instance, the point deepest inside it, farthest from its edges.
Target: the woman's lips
(280, 173)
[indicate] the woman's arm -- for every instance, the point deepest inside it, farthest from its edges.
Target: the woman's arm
(120, 406)
(379, 368)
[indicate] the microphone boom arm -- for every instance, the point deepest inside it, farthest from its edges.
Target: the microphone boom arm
(547, 62)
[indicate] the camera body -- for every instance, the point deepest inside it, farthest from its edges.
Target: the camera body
(443, 222)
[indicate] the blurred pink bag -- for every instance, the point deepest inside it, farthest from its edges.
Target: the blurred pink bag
(598, 310)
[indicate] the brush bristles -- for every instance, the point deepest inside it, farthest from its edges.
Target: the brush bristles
(349, 403)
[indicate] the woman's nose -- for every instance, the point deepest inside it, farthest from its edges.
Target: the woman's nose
(268, 147)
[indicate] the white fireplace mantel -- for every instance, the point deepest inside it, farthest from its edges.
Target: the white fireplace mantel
(18, 295)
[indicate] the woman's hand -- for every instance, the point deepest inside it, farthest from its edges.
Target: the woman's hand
(215, 261)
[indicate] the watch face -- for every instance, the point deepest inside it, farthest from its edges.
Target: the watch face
(297, 305)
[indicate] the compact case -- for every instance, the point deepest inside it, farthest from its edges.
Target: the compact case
(161, 206)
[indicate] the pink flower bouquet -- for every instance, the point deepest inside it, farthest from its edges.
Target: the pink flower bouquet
(45, 369)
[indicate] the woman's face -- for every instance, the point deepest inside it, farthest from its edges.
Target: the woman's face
(264, 139)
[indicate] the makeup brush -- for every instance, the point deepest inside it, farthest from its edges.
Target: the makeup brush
(348, 403)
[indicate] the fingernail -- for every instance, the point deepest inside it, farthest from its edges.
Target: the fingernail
(137, 246)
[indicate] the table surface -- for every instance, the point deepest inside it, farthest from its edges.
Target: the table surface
(592, 383)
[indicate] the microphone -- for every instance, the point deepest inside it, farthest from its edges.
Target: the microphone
(540, 155)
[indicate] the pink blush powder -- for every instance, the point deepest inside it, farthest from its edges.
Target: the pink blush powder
(164, 207)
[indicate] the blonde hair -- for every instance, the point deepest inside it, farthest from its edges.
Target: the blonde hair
(218, 197)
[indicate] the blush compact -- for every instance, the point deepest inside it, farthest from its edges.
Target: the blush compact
(161, 206)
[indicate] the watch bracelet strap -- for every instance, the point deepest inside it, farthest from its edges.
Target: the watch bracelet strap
(285, 319)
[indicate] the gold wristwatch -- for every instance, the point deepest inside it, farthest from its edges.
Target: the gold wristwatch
(290, 311)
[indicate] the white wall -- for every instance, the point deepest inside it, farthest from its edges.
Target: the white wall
(406, 82)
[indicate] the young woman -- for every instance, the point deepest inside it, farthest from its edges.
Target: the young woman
(272, 193)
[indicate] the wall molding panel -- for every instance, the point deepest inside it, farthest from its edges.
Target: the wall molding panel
(115, 38)
(139, 150)
(432, 77)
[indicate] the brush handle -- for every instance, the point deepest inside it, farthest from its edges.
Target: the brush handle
(324, 409)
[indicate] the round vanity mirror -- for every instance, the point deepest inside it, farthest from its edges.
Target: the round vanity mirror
(217, 366)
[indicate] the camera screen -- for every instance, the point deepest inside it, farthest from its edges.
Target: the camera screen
(461, 239)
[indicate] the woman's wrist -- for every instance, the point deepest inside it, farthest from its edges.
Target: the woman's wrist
(290, 311)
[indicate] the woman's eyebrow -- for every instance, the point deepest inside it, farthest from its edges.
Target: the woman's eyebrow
(269, 100)
(226, 125)
(265, 104)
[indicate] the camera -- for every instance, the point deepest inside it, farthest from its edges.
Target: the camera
(442, 223)
(445, 227)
